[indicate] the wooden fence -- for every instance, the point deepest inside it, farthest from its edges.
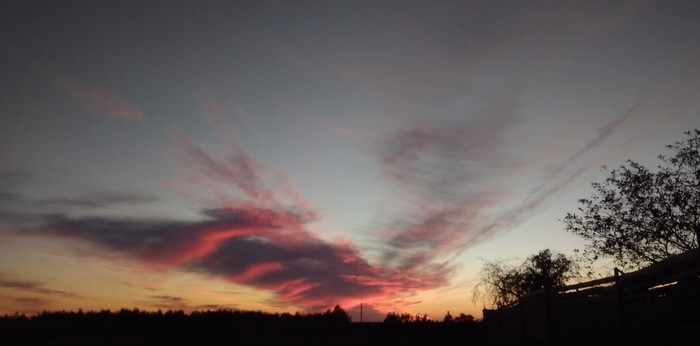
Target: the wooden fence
(656, 305)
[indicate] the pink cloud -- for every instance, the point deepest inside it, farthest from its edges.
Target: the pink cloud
(257, 271)
(254, 226)
(253, 231)
(208, 243)
(288, 259)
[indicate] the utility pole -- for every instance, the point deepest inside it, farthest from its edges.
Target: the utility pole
(360, 312)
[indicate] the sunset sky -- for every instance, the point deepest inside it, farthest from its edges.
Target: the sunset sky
(294, 155)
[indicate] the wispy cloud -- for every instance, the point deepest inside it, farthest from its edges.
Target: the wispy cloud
(603, 134)
(547, 187)
(33, 287)
(101, 199)
(252, 231)
(97, 100)
(31, 305)
(452, 176)
(447, 173)
(169, 302)
(253, 228)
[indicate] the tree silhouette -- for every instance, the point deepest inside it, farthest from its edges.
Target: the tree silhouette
(502, 284)
(462, 318)
(639, 217)
(448, 318)
(395, 318)
(338, 315)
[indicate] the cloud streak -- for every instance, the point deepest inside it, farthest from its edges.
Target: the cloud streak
(253, 227)
(97, 100)
(253, 231)
(446, 171)
(453, 174)
(33, 287)
(101, 200)
(179, 303)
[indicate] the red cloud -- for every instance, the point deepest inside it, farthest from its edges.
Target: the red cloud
(254, 232)
(272, 247)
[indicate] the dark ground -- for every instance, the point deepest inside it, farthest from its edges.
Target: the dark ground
(225, 328)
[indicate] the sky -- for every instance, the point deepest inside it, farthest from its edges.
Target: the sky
(289, 156)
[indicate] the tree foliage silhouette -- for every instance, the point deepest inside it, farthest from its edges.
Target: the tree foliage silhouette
(338, 315)
(502, 284)
(234, 327)
(638, 216)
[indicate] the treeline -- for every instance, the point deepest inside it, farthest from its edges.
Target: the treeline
(231, 327)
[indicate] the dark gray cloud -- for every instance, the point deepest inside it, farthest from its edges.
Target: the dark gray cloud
(250, 247)
(169, 302)
(317, 269)
(101, 200)
(32, 286)
(19, 208)
(158, 240)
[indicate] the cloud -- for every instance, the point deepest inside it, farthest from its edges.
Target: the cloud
(253, 230)
(558, 177)
(603, 134)
(30, 305)
(170, 302)
(453, 175)
(96, 100)
(12, 180)
(448, 176)
(99, 101)
(253, 226)
(33, 287)
(251, 247)
(102, 199)
(32, 302)
(434, 158)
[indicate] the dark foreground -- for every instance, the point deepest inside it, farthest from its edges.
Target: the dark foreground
(131, 327)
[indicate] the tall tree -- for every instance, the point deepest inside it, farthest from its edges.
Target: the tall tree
(502, 284)
(638, 216)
